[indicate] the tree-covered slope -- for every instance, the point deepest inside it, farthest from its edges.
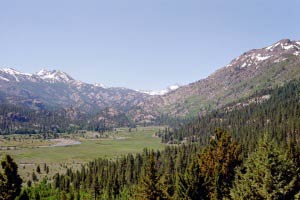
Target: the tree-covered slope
(276, 111)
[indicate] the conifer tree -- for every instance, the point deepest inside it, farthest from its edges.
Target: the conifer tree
(38, 169)
(294, 155)
(34, 177)
(151, 188)
(218, 162)
(10, 181)
(267, 174)
(23, 196)
(168, 178)
(190, 186)
(96, 187)
(63, 196)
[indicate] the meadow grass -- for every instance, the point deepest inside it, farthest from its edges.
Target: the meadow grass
(120, 142)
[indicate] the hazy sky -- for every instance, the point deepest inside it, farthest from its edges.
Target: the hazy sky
(140, 44)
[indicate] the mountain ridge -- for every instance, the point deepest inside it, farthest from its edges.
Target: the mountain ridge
(252, 71)
(55, 88)
(55, 75)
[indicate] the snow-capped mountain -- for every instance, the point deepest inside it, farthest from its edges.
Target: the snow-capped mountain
(54, 88)
(276, 52)
(54, 76)
(9, 74)
(57, 76)
(160, 92)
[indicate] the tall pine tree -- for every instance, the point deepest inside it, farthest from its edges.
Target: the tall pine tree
(267, 174)
(191, 186)
(10, 181)
(151, 188)
(218, 162)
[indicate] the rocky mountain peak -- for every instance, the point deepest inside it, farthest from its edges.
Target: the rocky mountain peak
(12, 71)
(54, 76)
(10, 74)
(284, 45)
(50, 76)
(275, 53)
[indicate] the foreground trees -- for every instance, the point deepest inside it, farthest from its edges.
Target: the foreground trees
(151, 188)
(218, 163)
(267, 174)
(191, 185)
(10, 181)
(188, 172)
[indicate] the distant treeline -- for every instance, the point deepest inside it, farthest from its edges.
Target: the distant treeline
(22, 120)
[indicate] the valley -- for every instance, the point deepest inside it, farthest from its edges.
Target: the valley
(149, 100)
(73, 140)
(30, 152)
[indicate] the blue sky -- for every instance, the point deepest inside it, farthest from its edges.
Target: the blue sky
(140, 44)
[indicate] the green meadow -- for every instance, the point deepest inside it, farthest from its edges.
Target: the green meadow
(120, 142)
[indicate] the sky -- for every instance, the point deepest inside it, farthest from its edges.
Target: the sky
(139, 44)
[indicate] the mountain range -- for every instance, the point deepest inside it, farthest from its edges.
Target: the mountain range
(253, 71)
(54, 89)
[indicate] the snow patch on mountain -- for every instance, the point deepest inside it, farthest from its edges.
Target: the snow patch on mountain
(160, 92)
(270, 48)
(5, 79)
(12, 73)
(262, 58)
(284, 44)
(297, 53)
(274, 53)
(100, 85)
(280, 60)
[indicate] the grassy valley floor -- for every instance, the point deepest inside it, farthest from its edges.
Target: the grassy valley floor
(29, 153)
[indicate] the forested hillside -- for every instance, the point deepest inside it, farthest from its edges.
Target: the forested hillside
(275, 111)
(23, 120)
